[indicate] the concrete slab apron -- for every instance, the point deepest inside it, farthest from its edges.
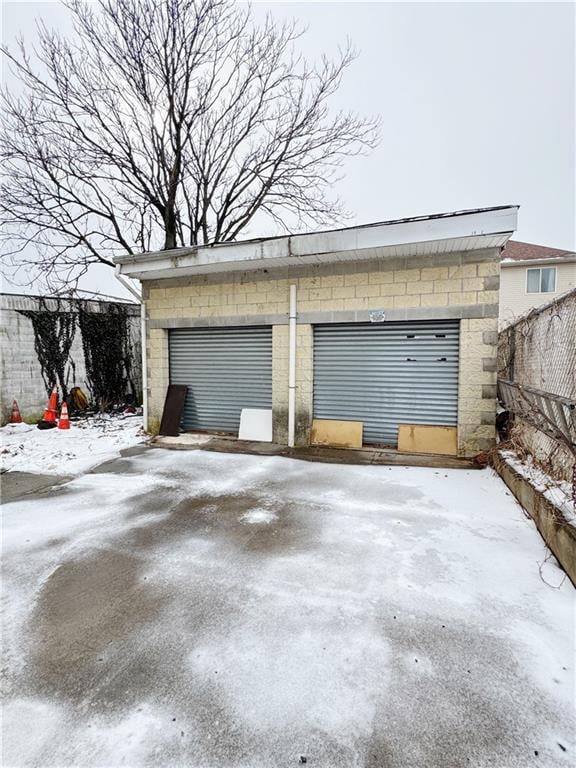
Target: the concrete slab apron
(223, 610)
(13, 485)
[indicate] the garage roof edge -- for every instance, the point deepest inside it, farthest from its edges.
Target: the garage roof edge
(481, 227)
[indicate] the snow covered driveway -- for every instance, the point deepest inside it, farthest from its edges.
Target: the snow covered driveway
(24, 448)
(203, 610)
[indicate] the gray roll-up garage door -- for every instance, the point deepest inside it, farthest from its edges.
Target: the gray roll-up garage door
(387, 374)
(225, 369)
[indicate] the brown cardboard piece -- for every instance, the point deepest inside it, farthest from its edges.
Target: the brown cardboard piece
(339, 434)
(427, 438)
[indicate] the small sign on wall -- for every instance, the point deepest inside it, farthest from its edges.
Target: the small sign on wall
(377, 316)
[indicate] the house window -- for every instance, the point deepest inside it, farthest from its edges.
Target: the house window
(541, 280)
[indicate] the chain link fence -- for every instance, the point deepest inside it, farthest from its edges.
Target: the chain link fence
(537, 387)
(539, 349)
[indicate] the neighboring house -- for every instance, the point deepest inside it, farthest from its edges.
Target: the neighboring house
(396, 323)
(532, 275)
(67, 342)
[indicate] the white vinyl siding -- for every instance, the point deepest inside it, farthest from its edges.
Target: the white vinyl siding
(515, 300)
(541, 280)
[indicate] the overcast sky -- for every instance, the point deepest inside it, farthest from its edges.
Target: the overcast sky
(477, 102)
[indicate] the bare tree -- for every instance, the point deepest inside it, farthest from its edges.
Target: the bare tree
(166, 123)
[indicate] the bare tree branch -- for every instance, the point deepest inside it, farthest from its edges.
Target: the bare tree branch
(166, 123)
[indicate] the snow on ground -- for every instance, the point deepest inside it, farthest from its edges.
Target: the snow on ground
(213, 610)
(257, 516)
(558, 492)
(88, 442)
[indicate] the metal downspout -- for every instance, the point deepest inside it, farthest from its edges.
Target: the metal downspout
(138, 296)
(292, 368)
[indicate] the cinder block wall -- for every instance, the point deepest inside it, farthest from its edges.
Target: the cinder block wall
(158, 375)
(20, 372)
(304, 352)
(462, 286)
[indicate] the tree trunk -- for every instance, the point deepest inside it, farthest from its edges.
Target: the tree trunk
(170, 228)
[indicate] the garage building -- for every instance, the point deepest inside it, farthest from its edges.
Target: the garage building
(395, 322)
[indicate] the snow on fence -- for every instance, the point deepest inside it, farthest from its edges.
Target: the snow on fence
(537, 385)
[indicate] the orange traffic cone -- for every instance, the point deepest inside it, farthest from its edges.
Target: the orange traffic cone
(16, 417)
(64, 421)
(52, 407)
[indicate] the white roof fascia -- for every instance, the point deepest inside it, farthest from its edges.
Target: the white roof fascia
(550, 261)
(403, 233)
(490, 228)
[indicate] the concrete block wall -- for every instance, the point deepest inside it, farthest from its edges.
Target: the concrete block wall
(20, 371)
(461, 286)
(304, 357)
(158, 375)
(320, 289)
(477, 385)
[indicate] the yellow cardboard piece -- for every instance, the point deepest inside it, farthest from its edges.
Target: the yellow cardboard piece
(427, 438)
(338, 434)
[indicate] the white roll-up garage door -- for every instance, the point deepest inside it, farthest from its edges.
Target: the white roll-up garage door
(387, 374)
(225, 369)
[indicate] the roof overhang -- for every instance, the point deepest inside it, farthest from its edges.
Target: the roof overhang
(552, 261)
(425, 235)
